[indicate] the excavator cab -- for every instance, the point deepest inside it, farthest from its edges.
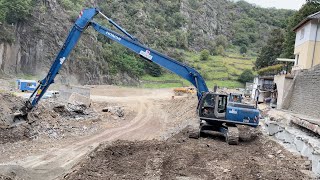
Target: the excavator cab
(212, 110)
(213, 106)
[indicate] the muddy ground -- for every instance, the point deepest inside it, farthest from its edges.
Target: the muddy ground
(183, 158)
(148, 142)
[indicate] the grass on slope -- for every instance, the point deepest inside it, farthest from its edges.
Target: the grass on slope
(169, 77)
(223, 71)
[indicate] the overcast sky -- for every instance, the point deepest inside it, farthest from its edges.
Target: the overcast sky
(279, 4)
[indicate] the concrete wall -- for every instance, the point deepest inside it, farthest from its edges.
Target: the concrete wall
(307, 45)
(303, 34)
(283, 87)
(305, 98)
(305, 52)
(310, 30)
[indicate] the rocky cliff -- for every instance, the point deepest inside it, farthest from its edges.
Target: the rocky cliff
(30, 46)
(36, 42)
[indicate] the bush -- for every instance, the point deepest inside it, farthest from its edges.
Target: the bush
(270, 70)
(246, 76)
(14, 11)
(220, 51)
(152, 69)
(67, 4)
(204, 56)
(243, 50)
(222, 40)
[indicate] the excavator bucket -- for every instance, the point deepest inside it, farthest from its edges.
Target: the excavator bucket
(14, 119)
(17, 118)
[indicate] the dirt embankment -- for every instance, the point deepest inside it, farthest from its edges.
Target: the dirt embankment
(180, 157)
(8, 105)
(51, 119)
(149, 115)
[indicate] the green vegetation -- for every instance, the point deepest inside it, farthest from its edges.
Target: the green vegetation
(282, 44)
(246, 76)
(204, 56)
(270, 70)
(272, 50)
(14, 11)
(219, 67)
(312, 6)
(252, 27)
(223, 71)
(181, 82)
(163, 26)
(243, 50)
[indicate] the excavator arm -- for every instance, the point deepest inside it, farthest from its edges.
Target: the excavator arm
(218, 116)
(83, 22)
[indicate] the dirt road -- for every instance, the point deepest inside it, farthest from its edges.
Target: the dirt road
(58, 157)
(155, 117)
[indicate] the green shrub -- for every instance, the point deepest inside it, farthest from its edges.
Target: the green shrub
(13, 11)
(246, 76)
(221, 51)
(204, 56)
(67, 4)
(271, 70)
(243, 50)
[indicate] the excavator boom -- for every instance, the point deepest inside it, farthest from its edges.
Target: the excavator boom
(84, 21)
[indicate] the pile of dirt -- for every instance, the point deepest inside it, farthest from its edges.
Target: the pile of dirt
(57, 121)
(180, 158)
(50, 119)
(9, 104)
(178, 120)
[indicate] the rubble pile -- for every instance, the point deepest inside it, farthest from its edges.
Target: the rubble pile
(9, 104)
(57, 119)
(50, 119)
(114, 110)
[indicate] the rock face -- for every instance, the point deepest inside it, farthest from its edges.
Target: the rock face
(163, 25)
(37, 42)
(208, 21)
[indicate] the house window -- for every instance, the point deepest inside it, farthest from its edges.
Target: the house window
(297, 59)
(302, 34)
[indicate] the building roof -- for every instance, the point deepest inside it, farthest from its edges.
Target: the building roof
(307, 19)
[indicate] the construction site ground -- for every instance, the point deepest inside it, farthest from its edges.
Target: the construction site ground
(148, 141)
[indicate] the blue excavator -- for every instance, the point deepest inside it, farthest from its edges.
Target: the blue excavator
(214, 112)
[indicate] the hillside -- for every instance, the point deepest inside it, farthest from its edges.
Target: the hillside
(219, 70)
(178, 28)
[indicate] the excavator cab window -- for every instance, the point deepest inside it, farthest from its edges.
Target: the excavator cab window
(208, 106)
(222, 104)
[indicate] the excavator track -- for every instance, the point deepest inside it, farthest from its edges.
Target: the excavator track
(232, 136)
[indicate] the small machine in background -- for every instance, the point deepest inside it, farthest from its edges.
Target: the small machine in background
(26, 85)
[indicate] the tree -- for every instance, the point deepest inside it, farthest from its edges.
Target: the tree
(312, 6)
(246, 76)
(243, 50)
(204, 56)
(15, 10)
(153, 69)
(222, 40)
(272, 50)
(220, 50)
